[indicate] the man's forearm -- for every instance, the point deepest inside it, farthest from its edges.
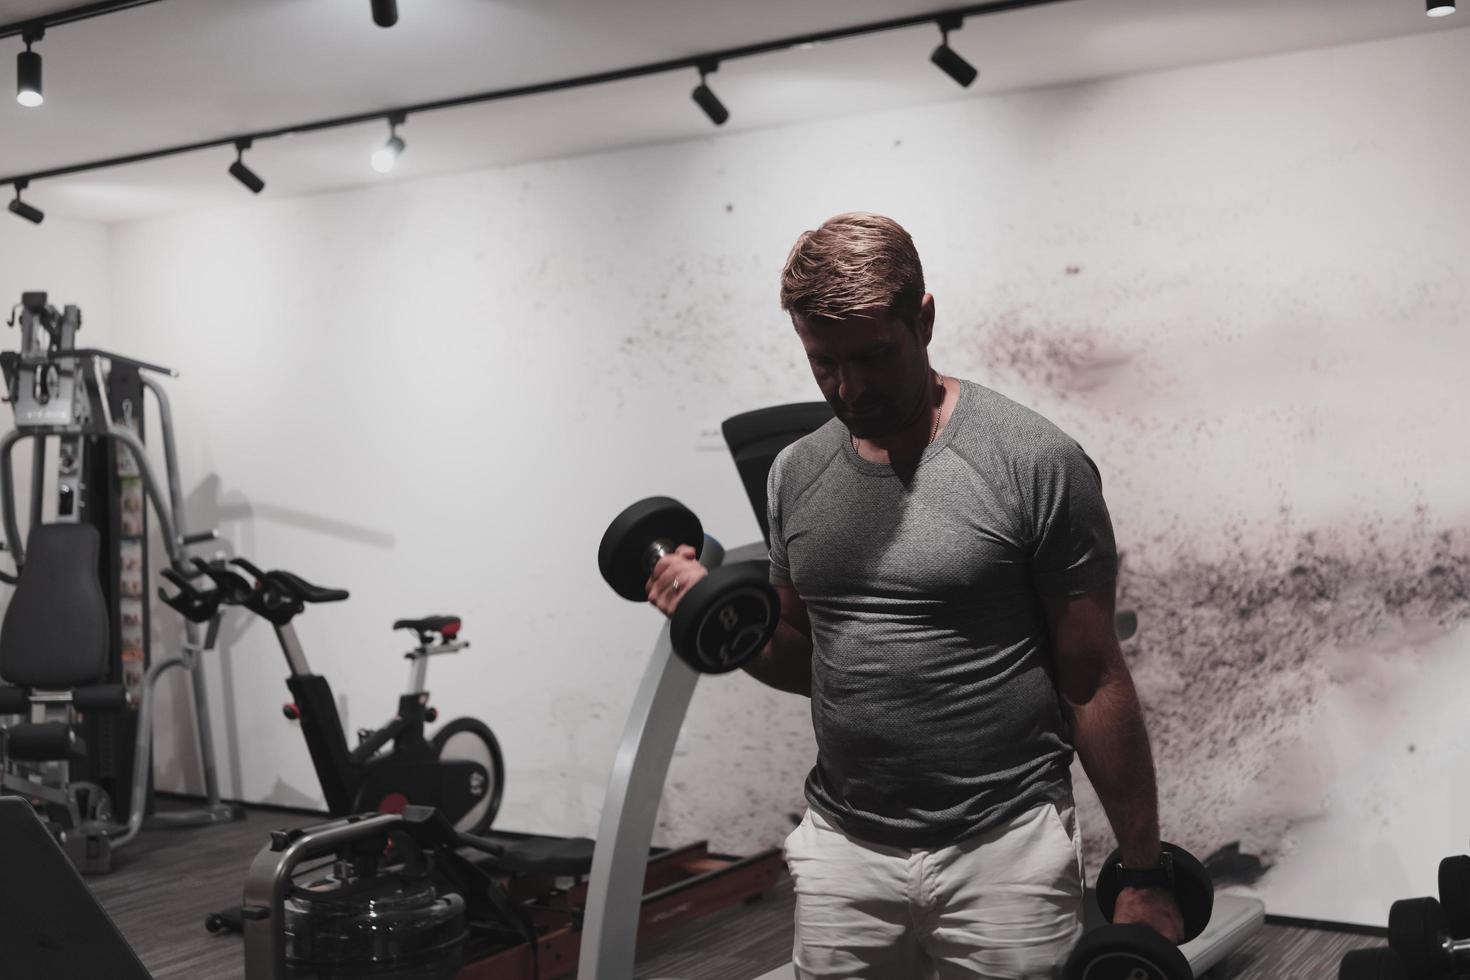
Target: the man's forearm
(1113, 746)
(786, 662)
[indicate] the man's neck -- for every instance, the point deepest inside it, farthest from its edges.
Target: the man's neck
(909, 442)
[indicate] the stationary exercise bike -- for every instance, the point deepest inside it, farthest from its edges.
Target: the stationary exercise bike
(458, 772)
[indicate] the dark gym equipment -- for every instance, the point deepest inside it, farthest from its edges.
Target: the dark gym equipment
(1454, 894)
(1417, 933)
(757, 438)
(79, 623)
(1427, 939)
(1380, 963)
(723, 620)
(401, 881)
(51, 926)
(1136, 952)
(460, 770)
(373, 776)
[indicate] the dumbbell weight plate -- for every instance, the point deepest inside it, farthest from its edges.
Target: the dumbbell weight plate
(726, 618)
(1126, 952)
(1454, 894)
(1415, 932)
(1372, 964)
(1192, 888)
(623, 555)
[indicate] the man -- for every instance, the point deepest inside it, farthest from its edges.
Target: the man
(947, 570)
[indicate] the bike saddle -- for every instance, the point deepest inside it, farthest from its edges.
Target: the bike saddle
(294, 586)
(446, 626)
(561, 857)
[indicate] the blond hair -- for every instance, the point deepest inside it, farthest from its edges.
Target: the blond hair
(856, 264)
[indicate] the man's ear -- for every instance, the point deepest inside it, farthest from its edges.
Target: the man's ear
(925, 322)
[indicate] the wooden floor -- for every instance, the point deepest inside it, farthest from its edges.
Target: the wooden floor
(165, 882)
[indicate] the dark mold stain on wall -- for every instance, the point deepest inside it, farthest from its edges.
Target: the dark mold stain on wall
(1068, 363)
(1233, 658)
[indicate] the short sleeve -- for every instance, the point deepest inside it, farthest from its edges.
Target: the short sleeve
(780, 569)
(1072, 548)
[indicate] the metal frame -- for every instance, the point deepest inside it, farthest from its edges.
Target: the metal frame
(97, 422)
(269, 879)
(625, 834)
(418, 657)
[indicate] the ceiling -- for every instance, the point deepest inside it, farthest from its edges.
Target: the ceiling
(184, 71)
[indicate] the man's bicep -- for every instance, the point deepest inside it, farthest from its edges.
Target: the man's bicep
(1084, 641)
(793, 608)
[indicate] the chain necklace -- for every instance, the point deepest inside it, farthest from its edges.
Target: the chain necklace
(938, 409)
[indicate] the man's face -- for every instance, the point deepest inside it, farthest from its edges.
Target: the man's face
(873, 371)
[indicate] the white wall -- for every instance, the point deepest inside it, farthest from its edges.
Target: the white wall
(1240, 286)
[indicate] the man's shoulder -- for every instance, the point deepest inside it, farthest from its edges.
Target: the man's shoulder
(803, 461)
(1015, 430)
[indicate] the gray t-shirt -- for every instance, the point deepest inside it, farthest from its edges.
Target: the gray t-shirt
(933, 694)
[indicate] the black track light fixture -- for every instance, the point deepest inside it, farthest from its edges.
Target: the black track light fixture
(706, 99)
(242, 173)
(385, 12)
(385, 158)
(947, 58)
(1440, 8)
(28, 70)
(34, 215)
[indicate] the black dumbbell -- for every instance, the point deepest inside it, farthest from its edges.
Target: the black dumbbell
(1137, 952)
(1378, 963)
(1454, 894)
(1416, 932)
(725, 619)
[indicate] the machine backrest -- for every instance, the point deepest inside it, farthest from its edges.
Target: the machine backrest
(51, 927)
(756, 438)
(56, 633)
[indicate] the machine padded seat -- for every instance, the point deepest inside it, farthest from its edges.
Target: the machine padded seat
(548, 856)
(446, 625)
(56, 634)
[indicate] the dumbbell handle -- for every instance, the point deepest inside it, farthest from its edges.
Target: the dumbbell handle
(656, 550)
(1453, 947)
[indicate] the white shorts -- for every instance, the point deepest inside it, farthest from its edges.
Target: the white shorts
(1005, 903)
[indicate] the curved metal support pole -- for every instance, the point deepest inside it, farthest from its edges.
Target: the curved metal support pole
(634, 790)
(213, 811)
(7, 496)
(142, 747)
(170, 454)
